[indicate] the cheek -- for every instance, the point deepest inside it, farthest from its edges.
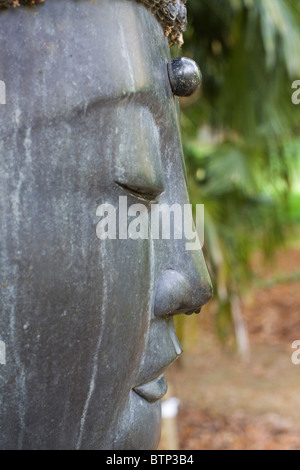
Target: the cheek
(127, 295)
(117, 353)
(125, 312)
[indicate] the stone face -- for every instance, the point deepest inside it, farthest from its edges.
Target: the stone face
(89, 118)
(170, 13)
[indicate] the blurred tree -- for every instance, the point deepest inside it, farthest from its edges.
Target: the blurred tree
(235, 134)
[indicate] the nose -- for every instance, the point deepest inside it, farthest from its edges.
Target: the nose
(183, 290)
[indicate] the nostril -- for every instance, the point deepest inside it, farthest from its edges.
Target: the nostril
(191, 312)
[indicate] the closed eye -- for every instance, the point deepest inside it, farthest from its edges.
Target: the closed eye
(146, 193)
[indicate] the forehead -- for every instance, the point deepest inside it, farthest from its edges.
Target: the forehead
(78, 53)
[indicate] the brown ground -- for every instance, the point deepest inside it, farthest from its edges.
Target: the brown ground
(228, 404)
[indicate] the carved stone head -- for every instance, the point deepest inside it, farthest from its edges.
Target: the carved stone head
(90, 123)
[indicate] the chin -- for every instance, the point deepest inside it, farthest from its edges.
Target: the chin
(140, 425)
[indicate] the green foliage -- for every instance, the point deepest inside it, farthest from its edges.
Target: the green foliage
(238, 132)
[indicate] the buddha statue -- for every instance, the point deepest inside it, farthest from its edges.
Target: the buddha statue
(90, 119)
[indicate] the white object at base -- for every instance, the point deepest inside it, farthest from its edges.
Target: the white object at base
(169, 407)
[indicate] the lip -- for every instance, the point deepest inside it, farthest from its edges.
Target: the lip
(162, 350)
(154, 390)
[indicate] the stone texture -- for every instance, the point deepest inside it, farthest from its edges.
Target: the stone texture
(170, 13)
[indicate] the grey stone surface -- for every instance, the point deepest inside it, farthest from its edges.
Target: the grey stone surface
(89, 117)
